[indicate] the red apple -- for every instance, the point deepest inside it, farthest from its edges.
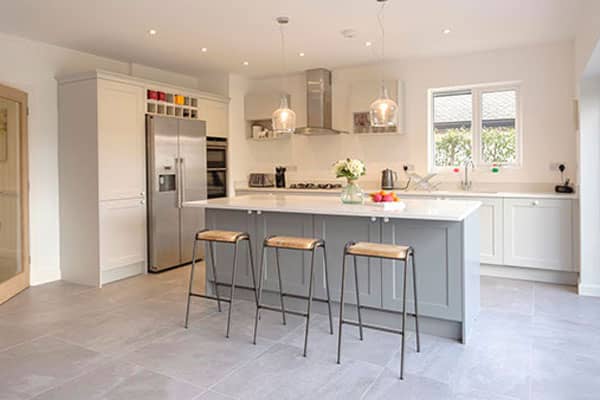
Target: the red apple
(388, 197)
(377, 198)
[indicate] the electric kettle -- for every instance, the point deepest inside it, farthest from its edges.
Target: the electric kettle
(387, 179)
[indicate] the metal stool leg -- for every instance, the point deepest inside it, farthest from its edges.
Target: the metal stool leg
(252, 270)
(310, 293)
(360, 327)
(327, 289)
(403, 320)
(260, 280)
(211, 248)
(339, 344)
(235, 254)
(187, 309)
(414, 276)
(280, 286)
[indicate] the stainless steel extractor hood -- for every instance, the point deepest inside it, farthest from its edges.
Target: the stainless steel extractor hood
(318, 104)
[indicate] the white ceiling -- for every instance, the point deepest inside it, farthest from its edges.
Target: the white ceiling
(238, 30)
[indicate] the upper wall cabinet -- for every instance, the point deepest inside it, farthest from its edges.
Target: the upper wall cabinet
(260, 106)
(216, 116)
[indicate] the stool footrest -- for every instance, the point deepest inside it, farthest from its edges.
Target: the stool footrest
(386, 310)
(205, 296)
(299, 296)
(276, 309)
(376, 327)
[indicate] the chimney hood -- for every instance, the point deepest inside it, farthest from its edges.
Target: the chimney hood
(318, 104)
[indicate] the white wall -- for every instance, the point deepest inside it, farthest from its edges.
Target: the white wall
(546, 73)
(32, 67)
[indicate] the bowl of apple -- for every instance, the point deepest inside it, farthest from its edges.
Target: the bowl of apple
(387, 200)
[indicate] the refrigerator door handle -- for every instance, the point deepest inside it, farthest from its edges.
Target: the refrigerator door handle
(178, 183)
(182, 178)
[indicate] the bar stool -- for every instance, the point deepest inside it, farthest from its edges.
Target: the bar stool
(210, 237)
(301, 244)
(382, 251)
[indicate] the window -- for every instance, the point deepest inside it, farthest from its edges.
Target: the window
(479, 123)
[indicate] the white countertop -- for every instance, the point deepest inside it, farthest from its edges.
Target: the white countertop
(434, 193)
(418, 209)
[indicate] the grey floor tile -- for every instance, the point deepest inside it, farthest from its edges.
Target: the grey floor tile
(114, 332)
(389, 386)
(198, 357)
(507, 295)
(122, 381)
(562, 375)
(437, 360)
(242, 322)
(479, 395)
(39, 365)
(212, 395)
(376, 348)
(168, 312)
(562, 302)
(297, 377)
(14, 334)
(495, 366)
(565, 335)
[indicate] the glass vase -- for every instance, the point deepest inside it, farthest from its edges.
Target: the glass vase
(352, 193)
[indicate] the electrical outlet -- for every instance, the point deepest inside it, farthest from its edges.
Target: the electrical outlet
(554, 165)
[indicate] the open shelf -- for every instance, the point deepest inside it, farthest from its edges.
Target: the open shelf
(171, 104)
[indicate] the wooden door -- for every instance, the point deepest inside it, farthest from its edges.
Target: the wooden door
(14, 193)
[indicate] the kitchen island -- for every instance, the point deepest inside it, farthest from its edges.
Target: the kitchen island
(444, 234)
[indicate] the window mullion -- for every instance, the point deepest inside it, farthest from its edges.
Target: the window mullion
(476, 127)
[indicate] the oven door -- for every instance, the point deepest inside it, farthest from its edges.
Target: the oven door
(216, 183)
(216, 157)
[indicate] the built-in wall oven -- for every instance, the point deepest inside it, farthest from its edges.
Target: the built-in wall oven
(216, 167)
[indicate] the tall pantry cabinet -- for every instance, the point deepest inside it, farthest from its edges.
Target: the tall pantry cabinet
(102, 179)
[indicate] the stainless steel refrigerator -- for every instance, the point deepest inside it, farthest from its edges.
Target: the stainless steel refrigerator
(176, 173)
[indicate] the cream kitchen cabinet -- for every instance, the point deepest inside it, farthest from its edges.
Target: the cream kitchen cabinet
(121, 141)
(491, 229)
(122, 238)
(216, 116)
(538, 233)
(102, 178)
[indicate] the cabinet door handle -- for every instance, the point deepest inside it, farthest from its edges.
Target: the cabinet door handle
(373, 219)
(142, 201)
(142, 194)
(535, 203)
(386, 220)
(258, 212)
(249, 212)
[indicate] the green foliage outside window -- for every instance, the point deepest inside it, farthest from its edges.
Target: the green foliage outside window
(454, 146)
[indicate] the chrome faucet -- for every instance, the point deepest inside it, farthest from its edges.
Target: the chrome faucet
(467, 182)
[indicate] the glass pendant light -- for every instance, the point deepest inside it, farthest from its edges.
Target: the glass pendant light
(284, 118)
(383, 111)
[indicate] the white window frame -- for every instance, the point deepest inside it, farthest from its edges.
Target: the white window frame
(476, 123)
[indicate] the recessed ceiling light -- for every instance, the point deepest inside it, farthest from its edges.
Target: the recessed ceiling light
(204, 49)
(152, 32)
(446, 31)
(246, 63)
(368, 44)
(301, 54)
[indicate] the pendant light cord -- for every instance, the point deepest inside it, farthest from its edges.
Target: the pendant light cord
(380, 20)
(283, 66)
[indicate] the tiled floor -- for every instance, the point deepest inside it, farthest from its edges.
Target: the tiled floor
(126, 341)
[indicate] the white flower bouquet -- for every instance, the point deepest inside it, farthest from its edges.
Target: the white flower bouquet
(350, 169)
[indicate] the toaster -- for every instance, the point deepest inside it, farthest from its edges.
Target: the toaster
(261, 180)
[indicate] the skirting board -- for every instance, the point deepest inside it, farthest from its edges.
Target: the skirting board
(115, 274)
(530, 274)
(588, 290)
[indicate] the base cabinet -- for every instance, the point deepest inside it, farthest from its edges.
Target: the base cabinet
(438, 257)
(538, 233)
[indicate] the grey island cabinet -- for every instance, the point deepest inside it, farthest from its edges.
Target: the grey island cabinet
(444, 234)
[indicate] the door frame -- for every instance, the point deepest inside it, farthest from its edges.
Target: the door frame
(20, 281)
